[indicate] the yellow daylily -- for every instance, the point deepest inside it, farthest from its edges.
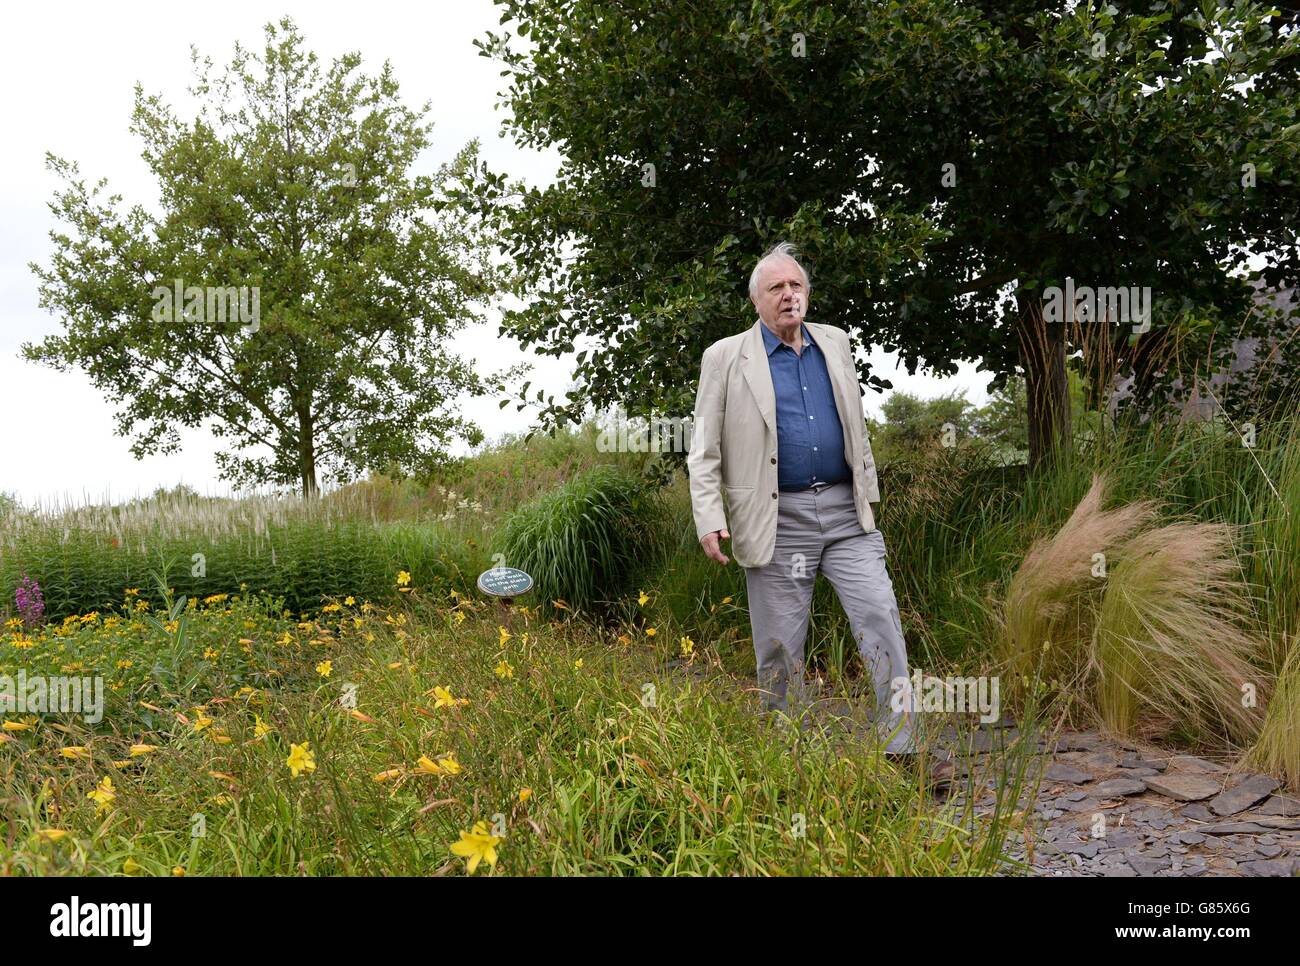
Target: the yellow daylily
(445, 765)
(300, 759)
(325, 668)
(477, 845)
(504, 670)
(103, 795)
(138, 750)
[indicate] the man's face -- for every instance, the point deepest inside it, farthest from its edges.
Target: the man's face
(782, 299)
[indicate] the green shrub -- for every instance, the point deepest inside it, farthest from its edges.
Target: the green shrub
(588, 541)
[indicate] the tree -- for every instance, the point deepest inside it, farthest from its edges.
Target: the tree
(294, 292)
(911, 424)
(943, 166)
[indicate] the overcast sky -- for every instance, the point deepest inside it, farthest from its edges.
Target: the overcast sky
(67, 75)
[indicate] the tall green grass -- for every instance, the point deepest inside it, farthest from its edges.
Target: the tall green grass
(587, 542)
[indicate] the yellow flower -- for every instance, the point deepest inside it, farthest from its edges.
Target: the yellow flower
(300, 759)
(75, 751)
(51, 834)
(504, 670)
(349, 600)
(209, 653)
(643, 599)
(688, 647)
(443, 698)
(459, 615)
(324, 668)
(16, 726)
(384, 776)
(220, 737)
(476, 846)
(403, 578)
(505, 634)
(650, 632)
(132, 591)
(130, 866)
(201, 722)
(260, 728)
(138, 750)
(178, 870)
(525, 794)
(285, 638)
(726, 600)
(103, 795)
(330, 608)
(577, 663)
(445, 765)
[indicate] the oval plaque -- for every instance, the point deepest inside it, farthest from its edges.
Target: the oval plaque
(504, 582)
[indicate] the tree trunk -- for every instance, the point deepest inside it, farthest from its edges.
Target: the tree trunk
(307, 455)
(1047, 388)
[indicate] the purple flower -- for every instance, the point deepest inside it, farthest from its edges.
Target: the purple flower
(31, 605)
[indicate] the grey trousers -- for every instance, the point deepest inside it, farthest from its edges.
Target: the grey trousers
(821, 532)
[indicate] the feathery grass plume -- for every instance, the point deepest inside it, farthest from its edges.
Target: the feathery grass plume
(1172, 648)
(1277, 750)
(1051, 598)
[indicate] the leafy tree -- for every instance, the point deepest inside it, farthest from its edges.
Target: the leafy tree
(941, 164)
(911, 423)
(317, 292)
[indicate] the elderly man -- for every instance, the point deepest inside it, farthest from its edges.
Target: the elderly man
(779, 430)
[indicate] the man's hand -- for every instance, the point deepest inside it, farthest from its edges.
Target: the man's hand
(710, 543)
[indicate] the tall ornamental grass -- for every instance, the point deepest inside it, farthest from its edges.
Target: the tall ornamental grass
(586, 543)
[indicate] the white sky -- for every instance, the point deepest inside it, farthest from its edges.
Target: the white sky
(67, 71)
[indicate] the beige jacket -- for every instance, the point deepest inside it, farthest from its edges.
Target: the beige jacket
(733, 440)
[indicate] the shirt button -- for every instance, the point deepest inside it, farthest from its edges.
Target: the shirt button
(812, 417)
(774, 496)
(814, 449)
(773, 459)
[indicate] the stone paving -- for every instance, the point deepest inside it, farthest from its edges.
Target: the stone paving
(1107, 806)
(1112, 807)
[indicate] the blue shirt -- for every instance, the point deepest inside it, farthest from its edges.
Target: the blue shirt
(809, 437)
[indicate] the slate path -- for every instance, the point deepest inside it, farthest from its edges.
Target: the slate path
(1111, 807)
(1107, 806)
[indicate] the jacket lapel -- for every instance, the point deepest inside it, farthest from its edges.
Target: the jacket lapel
(845, 406)
(758, 375)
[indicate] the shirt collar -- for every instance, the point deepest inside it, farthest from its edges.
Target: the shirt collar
(771, 341)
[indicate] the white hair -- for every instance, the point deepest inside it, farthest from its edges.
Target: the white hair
(780, 250)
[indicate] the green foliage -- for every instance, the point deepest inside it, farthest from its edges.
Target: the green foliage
(588, 541)
(930, 159)
(295, 188)
(692, 783)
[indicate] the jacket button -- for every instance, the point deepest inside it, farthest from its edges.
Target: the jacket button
(773, 459)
